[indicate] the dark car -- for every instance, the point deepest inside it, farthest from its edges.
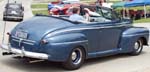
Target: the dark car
(61, 40)
(13, 11)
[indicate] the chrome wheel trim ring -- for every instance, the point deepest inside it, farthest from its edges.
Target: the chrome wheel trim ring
(76, 56)
(138, 46)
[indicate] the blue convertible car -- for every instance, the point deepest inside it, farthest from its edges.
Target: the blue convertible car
(58, 39)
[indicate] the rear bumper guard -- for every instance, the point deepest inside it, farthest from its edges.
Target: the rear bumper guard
(23, 53)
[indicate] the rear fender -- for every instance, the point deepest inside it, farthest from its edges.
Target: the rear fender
(60, 46)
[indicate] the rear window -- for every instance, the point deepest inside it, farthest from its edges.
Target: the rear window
(13, 6)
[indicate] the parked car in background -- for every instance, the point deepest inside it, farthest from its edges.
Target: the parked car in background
(59, 39)
(13, 11)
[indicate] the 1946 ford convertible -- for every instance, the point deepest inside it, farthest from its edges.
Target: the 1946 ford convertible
(58, 39)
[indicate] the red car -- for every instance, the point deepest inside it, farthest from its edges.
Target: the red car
(62, 9)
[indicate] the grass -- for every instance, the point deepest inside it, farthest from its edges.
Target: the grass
(44, 12)
(143, 20)
(39, 6)
(136, 8)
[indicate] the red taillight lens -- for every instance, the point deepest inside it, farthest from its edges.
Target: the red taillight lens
(8, 33)
(44, 41)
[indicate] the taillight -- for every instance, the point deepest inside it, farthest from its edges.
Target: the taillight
(44, 41)
(8, 33)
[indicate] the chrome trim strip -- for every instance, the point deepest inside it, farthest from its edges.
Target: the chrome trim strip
(22, 52)
(23, 39)
(28, 43)
(106, 51)
(137, 34)
(77, 29)
(23, 42)
(13, 17)
(70, 42)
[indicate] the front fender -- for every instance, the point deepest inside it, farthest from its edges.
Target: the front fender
(130, 35)
(60, 46)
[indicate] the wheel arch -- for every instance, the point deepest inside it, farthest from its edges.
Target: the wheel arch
(144, 40)
(84, 49)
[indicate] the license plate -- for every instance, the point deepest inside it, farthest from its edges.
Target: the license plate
(21, 34)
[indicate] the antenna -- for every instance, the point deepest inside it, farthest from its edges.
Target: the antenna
(4, 32)
(4, 27)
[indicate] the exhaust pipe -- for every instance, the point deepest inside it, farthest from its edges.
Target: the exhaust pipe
(30, 60)
(7, 53)
(35, 61)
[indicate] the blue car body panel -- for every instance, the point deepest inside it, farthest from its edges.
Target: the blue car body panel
(131, 35)
(62, 36)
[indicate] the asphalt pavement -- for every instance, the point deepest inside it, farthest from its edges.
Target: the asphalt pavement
(116, 63)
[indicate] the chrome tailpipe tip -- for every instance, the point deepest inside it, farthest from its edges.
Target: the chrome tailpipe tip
(7, 53)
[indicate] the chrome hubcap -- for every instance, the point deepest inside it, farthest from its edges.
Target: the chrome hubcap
(76, 56)
(136, 46)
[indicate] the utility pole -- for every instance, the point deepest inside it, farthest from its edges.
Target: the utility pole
(7, 1)
(4, 26)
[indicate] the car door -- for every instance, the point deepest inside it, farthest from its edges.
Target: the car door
(109, 34)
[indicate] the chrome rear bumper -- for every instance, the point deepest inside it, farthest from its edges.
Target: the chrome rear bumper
(13, 17)
(22, 52)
